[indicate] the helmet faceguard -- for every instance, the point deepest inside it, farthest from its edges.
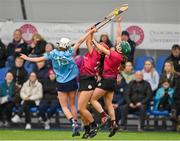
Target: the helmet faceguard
(124, 47)
(64, 44)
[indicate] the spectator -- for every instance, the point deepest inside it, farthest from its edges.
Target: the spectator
(3, 55)
(168, 73)
(49, 99)
(164, 97)
(20, 76)
(128, 72)
(37, 48)
(137, 96)
(6, 93)
(150, 74)
(31, 93)
(125, 37)
(48, 48)
(41, 71)
(175, 58)
(19, 73)
(105, 39)
(38, 45)
(176, 105)
(118, 99)
(17, 46)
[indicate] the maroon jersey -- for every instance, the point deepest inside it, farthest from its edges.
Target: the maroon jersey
(111, 64)
(90, 63)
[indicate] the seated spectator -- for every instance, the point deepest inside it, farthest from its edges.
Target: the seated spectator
(20, 76)
(137, 96)
(3, 54)
(118, 99)
(18, 71)
(42, 71)
(105, 39)
(175, 58)
(168, 73)
(128, 72)
(31, 94)
(49, 100)
(150, 74)
(48, 48)
(164, 97)
(6, 93)
(125, 37)
(17, 46)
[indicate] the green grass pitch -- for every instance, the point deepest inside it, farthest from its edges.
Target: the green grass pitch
(66, 135)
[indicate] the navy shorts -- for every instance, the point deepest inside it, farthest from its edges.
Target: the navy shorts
(68, 86)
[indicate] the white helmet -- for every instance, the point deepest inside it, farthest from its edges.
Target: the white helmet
(64, 43)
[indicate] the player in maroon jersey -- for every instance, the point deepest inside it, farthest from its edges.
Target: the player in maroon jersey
(106, 85)
(87, 85)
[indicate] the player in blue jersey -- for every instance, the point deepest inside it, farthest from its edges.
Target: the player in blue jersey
(66, 73)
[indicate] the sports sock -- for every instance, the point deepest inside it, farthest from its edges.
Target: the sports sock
(93, 124)
(87, 128)
(112, 123)
(103, 114)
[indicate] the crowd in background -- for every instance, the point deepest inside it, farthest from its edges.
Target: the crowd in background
(28, 84)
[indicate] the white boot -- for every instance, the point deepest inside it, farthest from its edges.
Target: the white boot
(16, 119)
(28, 126)
(47, 125)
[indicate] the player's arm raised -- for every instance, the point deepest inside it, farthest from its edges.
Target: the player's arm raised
(82, 39)
(118, 31)
(101, 48)
(34, 59)
(89, 43)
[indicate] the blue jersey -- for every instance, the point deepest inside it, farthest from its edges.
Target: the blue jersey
(63, 65)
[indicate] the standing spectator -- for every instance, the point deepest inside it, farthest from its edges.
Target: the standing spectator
(164, 97)
(125, 37)
(150, 74)
(137, 96)
(128, 72)
(6, 93)
(17, 46)
(49, 99)
(3, 55)
(41, 71)
(31, 93)
(105, 39)
(176, 105)
(38, 45)
(37, 48)
(175, 58)
(118, 99)
(168, 73)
